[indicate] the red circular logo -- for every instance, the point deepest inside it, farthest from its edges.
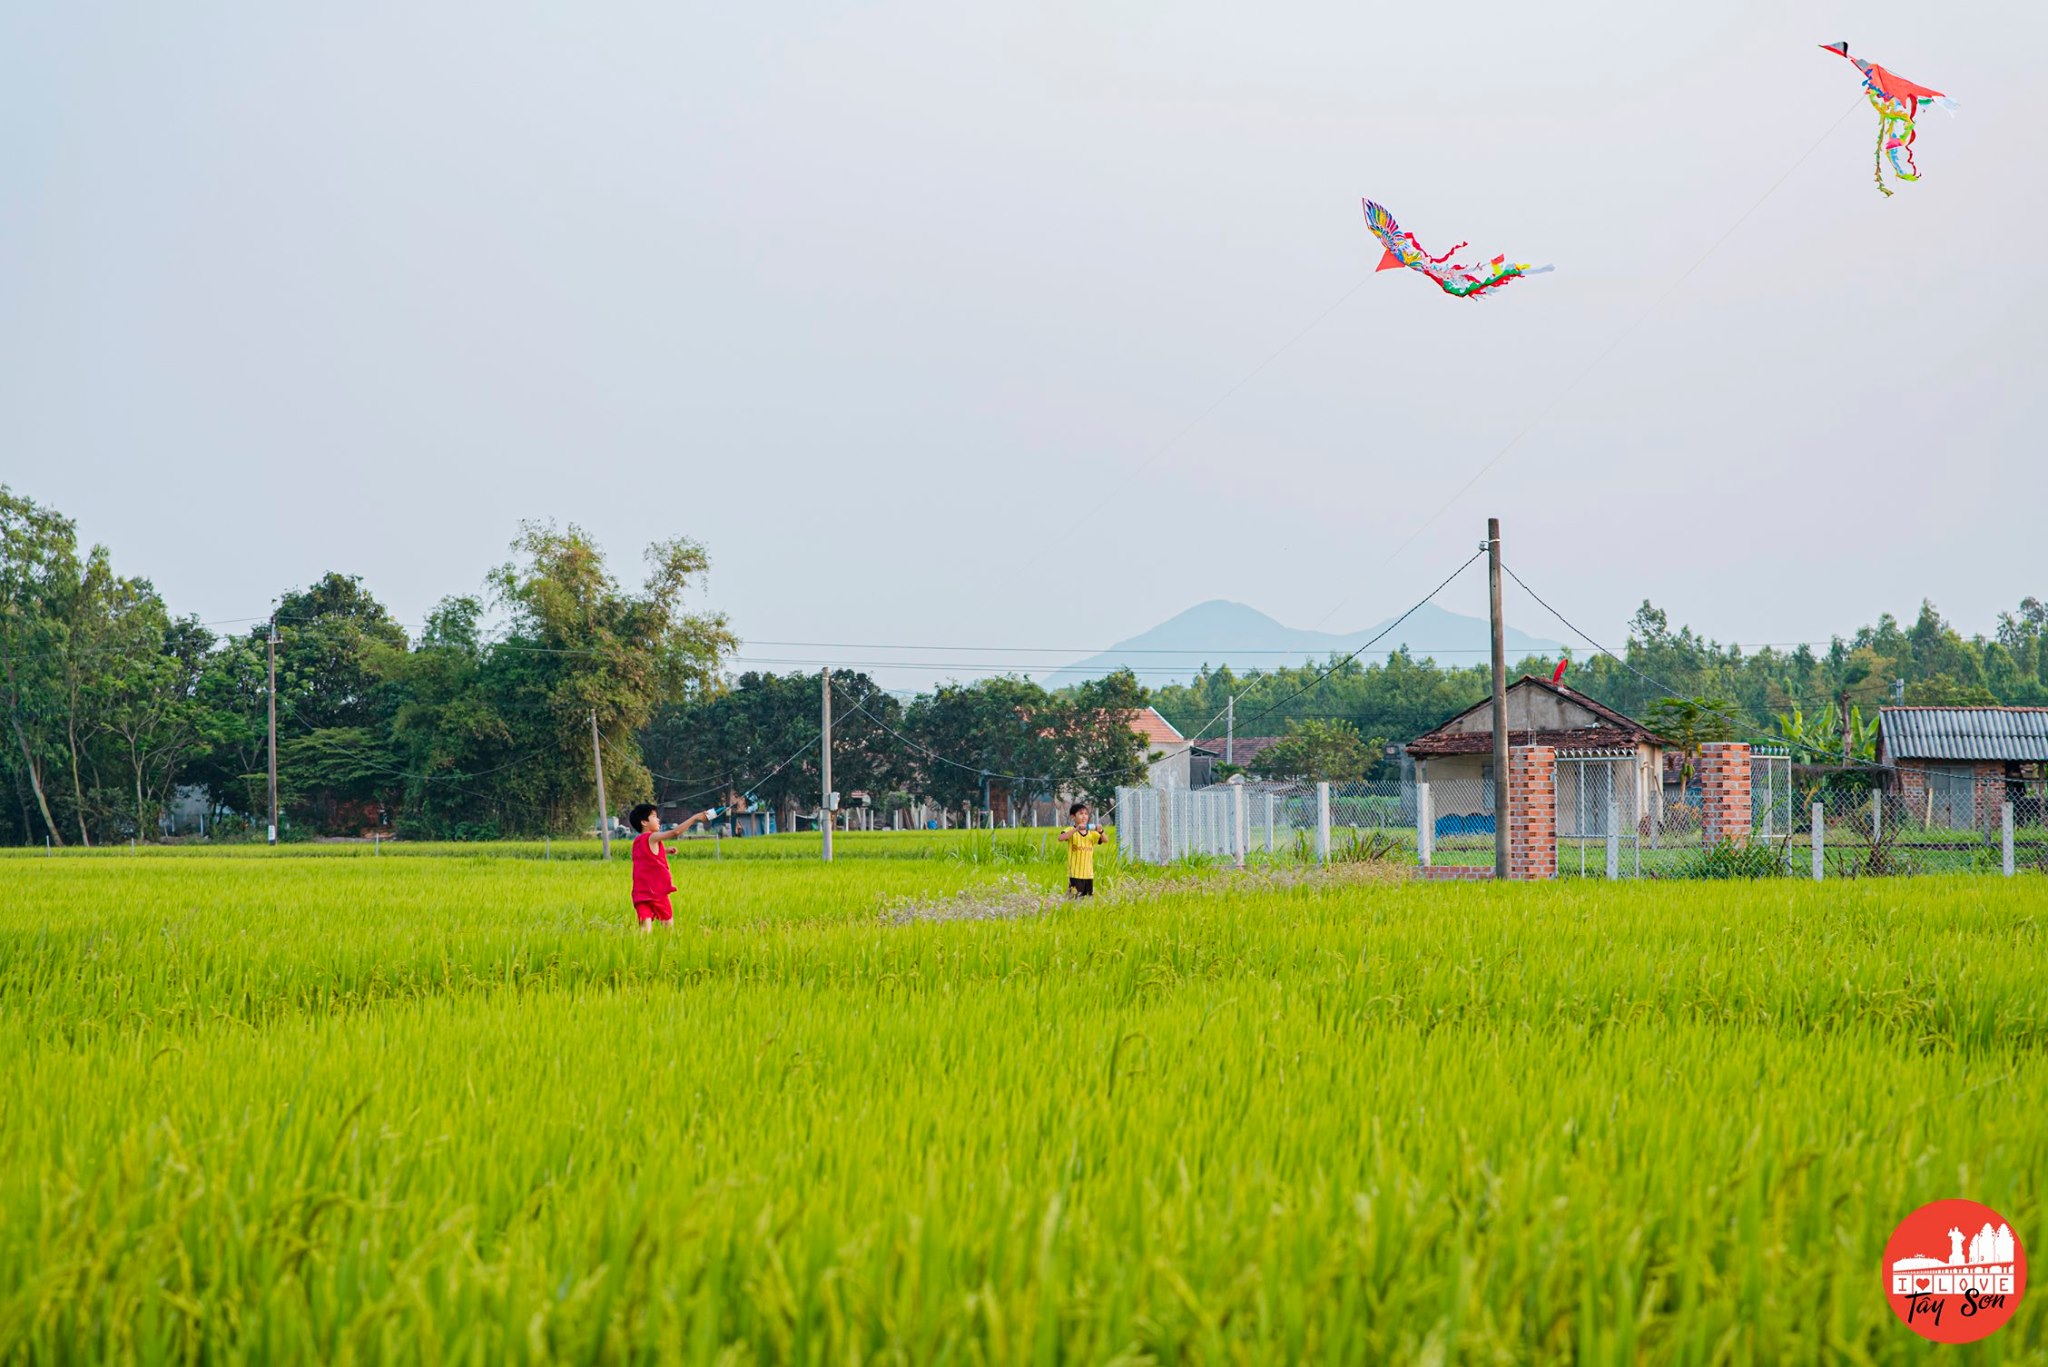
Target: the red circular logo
(1954, 1271)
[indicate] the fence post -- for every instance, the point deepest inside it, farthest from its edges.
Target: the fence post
(1425, 826)
(2005, 817)
(1239, 832)
(1165, 796)
(1613, 839)
(1820, 823)
(1323, 822)
(1876, 816)
(1269, 822)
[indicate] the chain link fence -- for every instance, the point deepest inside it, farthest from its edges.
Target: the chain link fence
(1858, 824)
(1618, 816)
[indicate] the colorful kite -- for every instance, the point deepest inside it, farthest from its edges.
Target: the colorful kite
(1896, 101)
(1452, 277)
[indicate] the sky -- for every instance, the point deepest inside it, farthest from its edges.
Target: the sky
(954, 327)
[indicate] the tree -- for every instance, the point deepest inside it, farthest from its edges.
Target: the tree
(1692, 722)
(335, 765)
(38, 572)
(149, 700)
(229, 700)
(578, 646)
(1318, 752)
(966, 738)
(1818, 739)
(1095, 748)
(82, 637)
(758, 739)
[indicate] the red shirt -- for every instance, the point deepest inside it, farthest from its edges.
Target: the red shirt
(651, 881)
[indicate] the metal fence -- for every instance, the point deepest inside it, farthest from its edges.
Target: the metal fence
(1854, 825)
(1244, 821)
(1617, 817)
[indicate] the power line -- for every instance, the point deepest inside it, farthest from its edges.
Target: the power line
(980, 769)
(1335, 665)
(752, 781)
(1742, 725)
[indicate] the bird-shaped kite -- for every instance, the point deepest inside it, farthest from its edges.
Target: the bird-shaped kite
(1896, 101)
(1452, 277)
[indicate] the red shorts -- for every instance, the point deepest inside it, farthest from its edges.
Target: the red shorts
(655, 911)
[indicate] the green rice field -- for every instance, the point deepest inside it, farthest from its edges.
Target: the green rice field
(448, 1105)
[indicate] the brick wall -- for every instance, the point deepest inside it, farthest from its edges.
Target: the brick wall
(1532, 821)
(1912, 791)
(1990, 795)
(1724, 792)
(1532, 812)
(1988, 799)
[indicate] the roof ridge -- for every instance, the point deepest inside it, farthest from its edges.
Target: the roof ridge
(1960, 707)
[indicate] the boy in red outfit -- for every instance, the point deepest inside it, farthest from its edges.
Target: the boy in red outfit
(651, 881)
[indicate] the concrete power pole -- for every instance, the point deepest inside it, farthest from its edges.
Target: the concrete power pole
(270, 648)
(1500, 701)
(604, 815)
(825, 758)
(1230, 732)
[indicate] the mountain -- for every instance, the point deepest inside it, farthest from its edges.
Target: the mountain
(1219, 632)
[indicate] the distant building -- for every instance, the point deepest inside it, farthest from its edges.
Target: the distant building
(1171, 756)
(1954, 767)
(1214, 753)
(1456, 757)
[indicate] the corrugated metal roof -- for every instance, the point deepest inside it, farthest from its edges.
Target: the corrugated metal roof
(2015, 733)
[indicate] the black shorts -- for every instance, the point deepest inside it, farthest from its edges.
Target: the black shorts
(1081, 887)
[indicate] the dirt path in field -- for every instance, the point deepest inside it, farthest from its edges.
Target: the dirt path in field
(1013, 897)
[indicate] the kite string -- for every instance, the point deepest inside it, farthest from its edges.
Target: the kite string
(1557, 396)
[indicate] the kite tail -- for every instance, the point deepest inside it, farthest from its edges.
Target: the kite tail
(1884, 118)
(1478, 289)
(1898, 127)
(1438, 260)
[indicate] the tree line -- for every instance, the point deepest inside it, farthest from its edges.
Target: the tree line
(478, 723)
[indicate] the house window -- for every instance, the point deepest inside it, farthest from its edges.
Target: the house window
(1486, 787)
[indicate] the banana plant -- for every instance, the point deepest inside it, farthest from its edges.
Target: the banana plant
(1818, 739)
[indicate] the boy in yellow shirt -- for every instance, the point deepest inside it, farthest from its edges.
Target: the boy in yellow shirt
(1081, 839)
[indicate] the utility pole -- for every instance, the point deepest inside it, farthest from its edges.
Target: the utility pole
(825, 758)
(604, 815)
(270, 649)
(1230, 732)
(1500, 701)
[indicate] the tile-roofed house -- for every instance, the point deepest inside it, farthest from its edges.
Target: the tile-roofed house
(1539, 713)
(1955, 767)
(1456, 757)
(1156, 729)
(1172, 756)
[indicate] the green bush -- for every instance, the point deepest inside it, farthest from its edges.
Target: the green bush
(1732, 859)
